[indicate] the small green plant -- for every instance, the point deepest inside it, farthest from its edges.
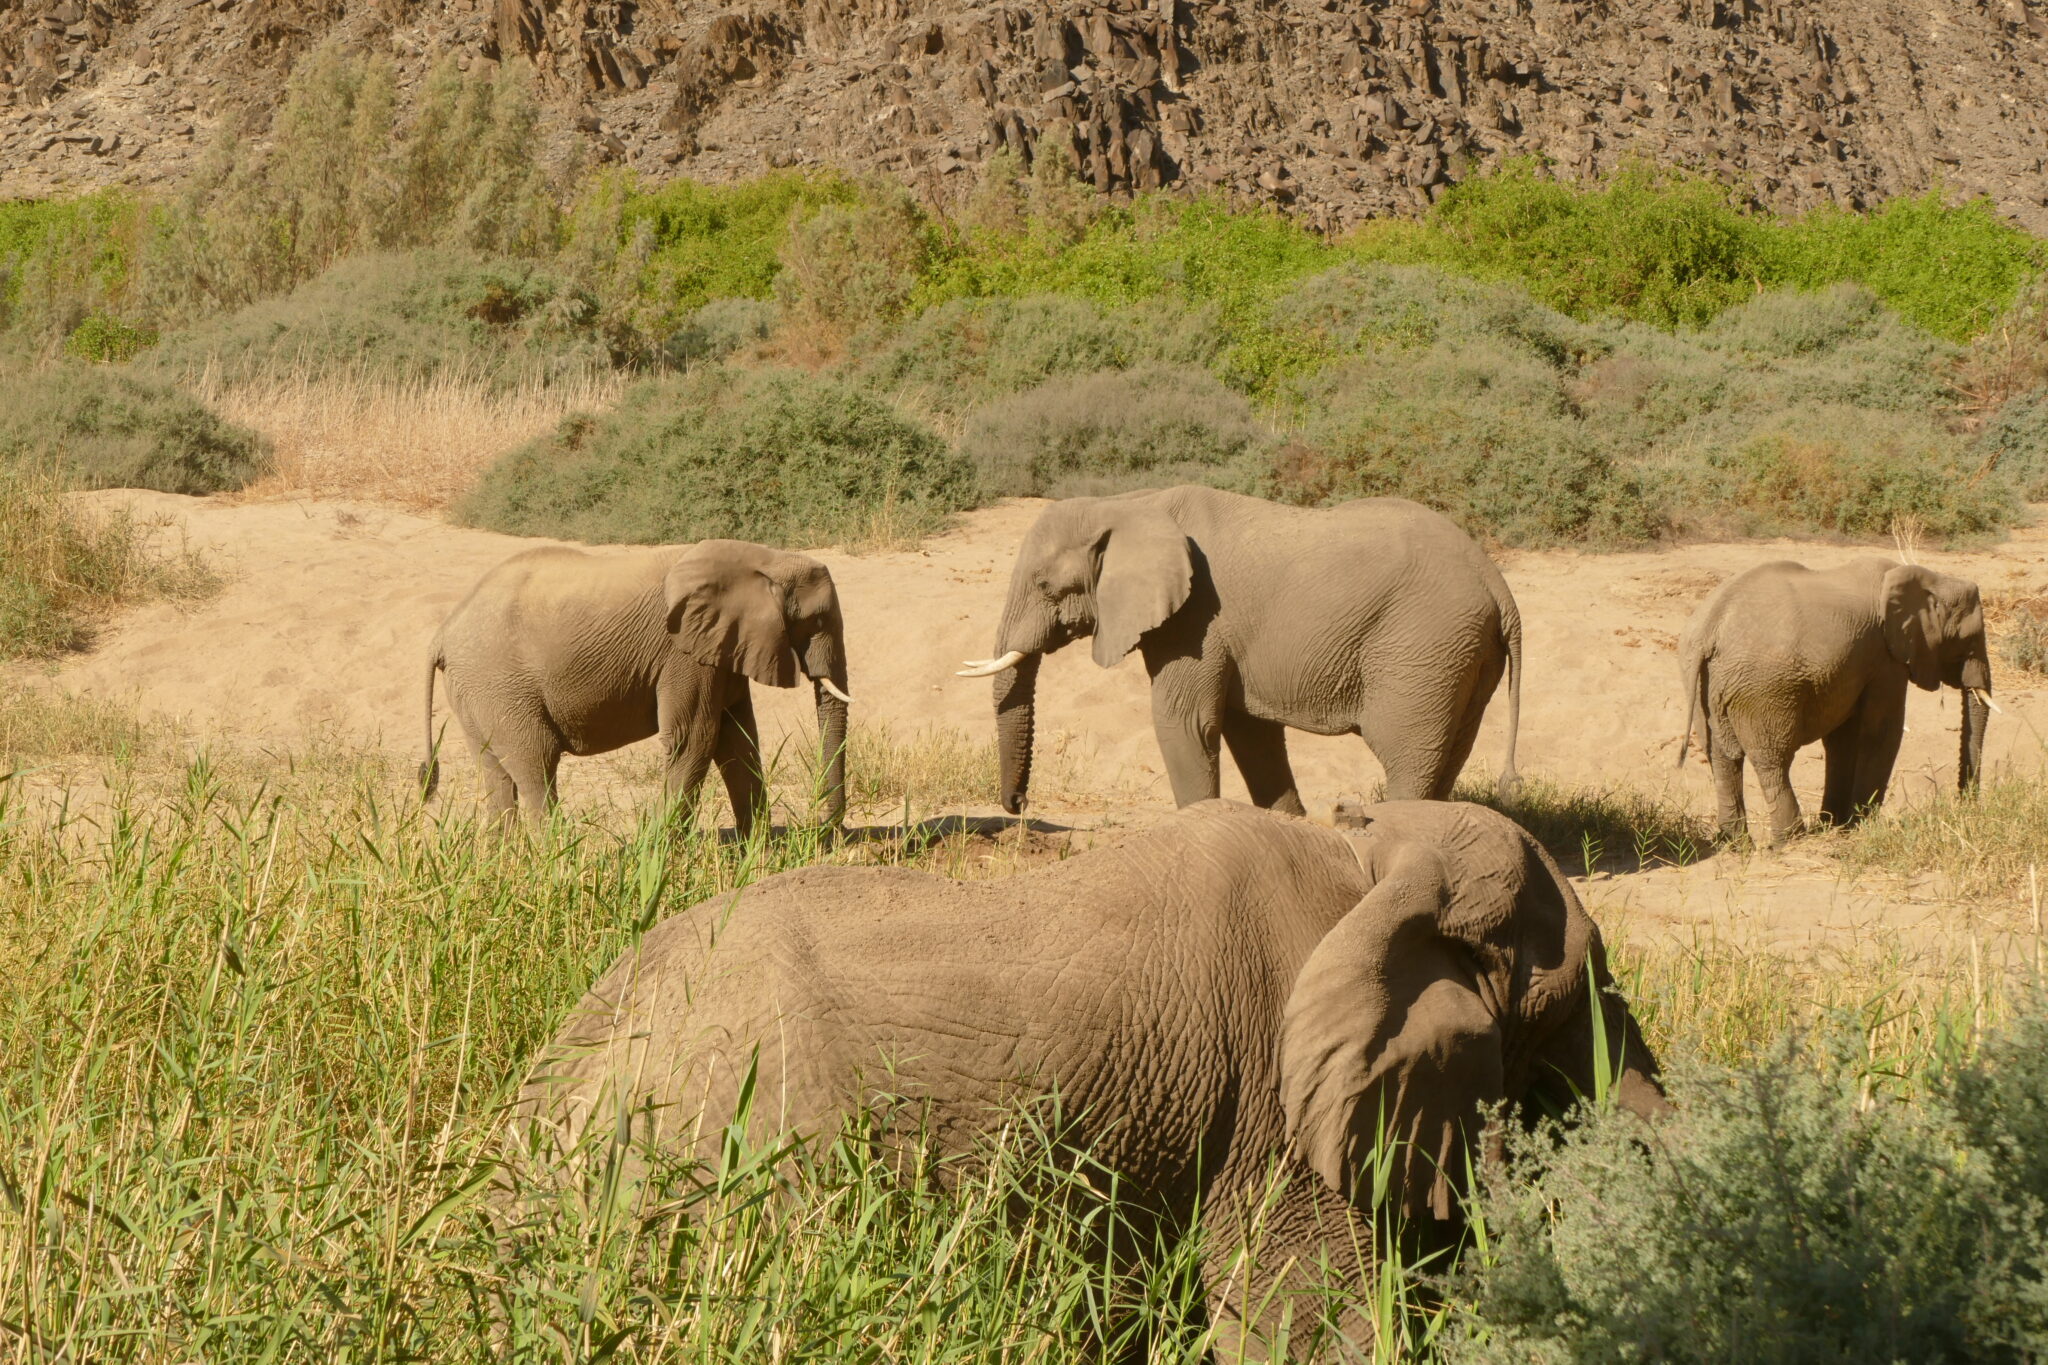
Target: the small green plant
(854, 264)
(103, 339)
(779, 457)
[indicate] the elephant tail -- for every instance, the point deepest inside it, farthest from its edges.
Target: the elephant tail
(1511, 636)
(1695, 676)
(430, 770)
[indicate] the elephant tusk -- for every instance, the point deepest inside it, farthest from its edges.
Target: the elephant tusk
(982, 668)
(1984, 697)
(826, 683)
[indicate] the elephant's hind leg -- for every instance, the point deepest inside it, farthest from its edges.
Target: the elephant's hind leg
(1774, 776)
(1259, 748)
(533, 769)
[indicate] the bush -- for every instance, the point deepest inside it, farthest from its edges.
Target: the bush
(1480, 432)
(2015, 444)
(854, 264)
(98, 427)
(967, 351)
(1843, 470)
(1779, 1215)
(774, 456)
(719, 328)
(1149, 427)
(2024, 642)
(60, 566)
(412, 314)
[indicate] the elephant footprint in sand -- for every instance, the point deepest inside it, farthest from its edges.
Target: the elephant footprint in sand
(1228, 990)
(561, 651)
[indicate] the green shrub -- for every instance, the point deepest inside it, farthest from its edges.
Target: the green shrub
(103, 339)
(966, 351)
(1835, 345)
(774, 456)
(1845, 470)
(719, 328)
(414, 313)
(1481, 432)
(1148, 427)
(98, 427)
(2015, 444)
(1784, 1213)
(854, 264)
(62, 565)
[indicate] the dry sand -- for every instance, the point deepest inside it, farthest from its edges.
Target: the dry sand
(322, 631)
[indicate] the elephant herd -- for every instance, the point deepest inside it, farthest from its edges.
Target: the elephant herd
(1231, 996)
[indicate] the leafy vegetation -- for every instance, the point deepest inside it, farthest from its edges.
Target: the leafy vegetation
(264, 1023)
(61, 566)
(776, 456)
(103, 428)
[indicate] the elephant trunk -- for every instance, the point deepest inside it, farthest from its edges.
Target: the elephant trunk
(825, 664)
(1976, 715)
(1016, 693)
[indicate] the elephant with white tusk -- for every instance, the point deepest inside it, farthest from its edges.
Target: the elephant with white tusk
(1783, 655)
(561, 651)
(1229, 994)
(1377, 618)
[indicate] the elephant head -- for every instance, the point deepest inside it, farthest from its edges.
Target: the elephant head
(1468, 975)
(1934, 625)
(1113, 568)
(766, 613)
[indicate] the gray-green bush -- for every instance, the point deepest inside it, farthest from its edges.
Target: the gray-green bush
(414, 314)
(1791, 413)
(2014, 443)
(776, 456)
(1787, 1212)
(1146, 427)
(967, 351)
(100, 427)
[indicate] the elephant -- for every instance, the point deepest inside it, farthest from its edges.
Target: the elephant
(558, 650)
(1227, 992)
(1377, 618)
(1783, 655)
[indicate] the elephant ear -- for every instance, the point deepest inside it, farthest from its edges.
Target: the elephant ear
(724, 610)
(1387, 1048)
(1144, 577)
(1906, 604)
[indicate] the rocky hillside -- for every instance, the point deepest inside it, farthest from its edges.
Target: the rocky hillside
(1337, 108)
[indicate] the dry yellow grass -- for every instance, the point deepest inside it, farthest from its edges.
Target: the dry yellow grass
(412, 442)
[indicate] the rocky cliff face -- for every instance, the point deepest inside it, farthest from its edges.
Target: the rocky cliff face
(1335, 108)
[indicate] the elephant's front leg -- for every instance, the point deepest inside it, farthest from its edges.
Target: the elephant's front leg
(1880, 726)
(739, 761)
(1270, 1263)
(689, 716)
(1187, 716)
(1260, 749)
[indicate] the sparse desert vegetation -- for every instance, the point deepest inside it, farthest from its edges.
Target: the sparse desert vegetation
(265, 1010)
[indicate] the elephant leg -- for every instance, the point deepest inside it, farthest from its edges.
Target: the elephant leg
(739, 762)
(1881, 724)
(1270, 1264)
(1726, 757)
(532, 767)
(1417, 743)
(1190, 740)
(1259, 747)
(1843, 747)
(501, 793)
(688, 721)
(1774, 777)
